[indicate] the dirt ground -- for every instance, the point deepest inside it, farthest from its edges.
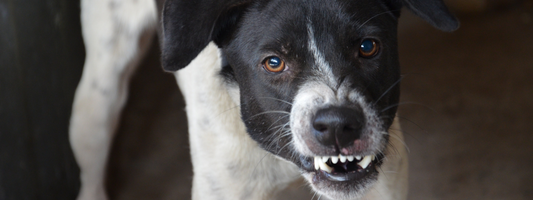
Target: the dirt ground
(466, 115)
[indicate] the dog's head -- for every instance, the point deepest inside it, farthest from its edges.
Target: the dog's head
(318, 80)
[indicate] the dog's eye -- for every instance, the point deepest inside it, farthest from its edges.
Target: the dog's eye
(274, 64)
(369, 48)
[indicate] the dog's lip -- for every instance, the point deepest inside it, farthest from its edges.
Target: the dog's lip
(346, 176)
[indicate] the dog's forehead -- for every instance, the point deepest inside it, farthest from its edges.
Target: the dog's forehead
(339, 14)
(286, 25)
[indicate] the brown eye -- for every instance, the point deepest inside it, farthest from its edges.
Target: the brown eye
(369, 48)
(274, 64)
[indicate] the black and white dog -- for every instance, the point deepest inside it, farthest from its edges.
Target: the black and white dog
(275, 90)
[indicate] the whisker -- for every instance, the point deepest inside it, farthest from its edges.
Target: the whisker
(383, 172)
(278, 135)
(386, 12)
(270, 112)
(270, 127)
(411, 121)
(280, 100)
(407, 134)
(390, 88)
(410, 103)
(283, 148)
(229, 109)
(256, 165)
(313, 197)
(401, 141)
(396, 105)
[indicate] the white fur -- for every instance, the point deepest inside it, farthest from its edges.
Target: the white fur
(218, 139)
(392, 183)
(320, 61)
(116, 33)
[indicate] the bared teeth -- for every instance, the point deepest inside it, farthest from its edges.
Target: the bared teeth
(350, 158)
(325, 167)
(320, 162)
(342, 158)
(365, 162)
(334, 160)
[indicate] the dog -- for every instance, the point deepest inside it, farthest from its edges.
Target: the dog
(276, 90)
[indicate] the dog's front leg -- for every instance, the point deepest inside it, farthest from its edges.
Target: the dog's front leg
(115, 33)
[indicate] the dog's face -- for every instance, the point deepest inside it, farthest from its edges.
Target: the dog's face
(318, 80)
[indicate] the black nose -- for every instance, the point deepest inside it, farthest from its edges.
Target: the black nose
(338, 126)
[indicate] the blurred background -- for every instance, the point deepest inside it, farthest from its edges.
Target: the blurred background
(466, 115)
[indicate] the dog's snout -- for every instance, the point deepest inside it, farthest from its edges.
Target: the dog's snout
(338, 126)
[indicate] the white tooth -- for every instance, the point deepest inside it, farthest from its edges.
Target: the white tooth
(325, 159)
(325, 167)
(317, 162)
(350, 158)
(373, 157)
(334, 159)
(342, 158)
(358, 157)
(365, 162)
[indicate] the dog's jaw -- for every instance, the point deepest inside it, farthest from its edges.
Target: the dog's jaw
(366, 152)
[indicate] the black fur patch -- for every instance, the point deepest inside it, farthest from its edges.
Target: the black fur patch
(188, 26)
(228, 74)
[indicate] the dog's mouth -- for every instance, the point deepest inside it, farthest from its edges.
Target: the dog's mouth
(344, 168)
(341, 176)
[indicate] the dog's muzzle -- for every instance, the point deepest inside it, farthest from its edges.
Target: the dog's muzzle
(340, 140)
(339, 130)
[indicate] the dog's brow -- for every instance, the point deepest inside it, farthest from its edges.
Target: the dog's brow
(369, 30)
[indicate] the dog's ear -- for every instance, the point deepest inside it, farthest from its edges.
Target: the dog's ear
(433, 11)
(189, 26)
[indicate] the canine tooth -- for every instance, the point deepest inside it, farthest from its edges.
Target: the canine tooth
(365, 162)
(325, 167)
(350, 158)
(325, 159)
(334, 159)
(342, 158)
(358, 157)
(317, 162)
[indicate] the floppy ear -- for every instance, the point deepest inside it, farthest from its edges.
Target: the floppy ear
(433, 11)
(189, 26)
